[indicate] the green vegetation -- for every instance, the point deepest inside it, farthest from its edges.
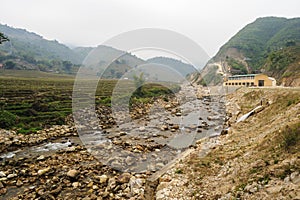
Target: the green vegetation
(270, 45)
(178, 171)
(258, 39)
(30, 45)
(279, 60)
(236, 65)
(35, 102)
(28, 104)
(138, 82)
(211, 77)
(3, 38)
(7, 119)
(26, 50)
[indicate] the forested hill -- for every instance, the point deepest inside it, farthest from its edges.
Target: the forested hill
(27, 50)
(30, 44)
(269, 45)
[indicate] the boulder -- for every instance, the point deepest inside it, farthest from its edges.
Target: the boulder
(72, 173)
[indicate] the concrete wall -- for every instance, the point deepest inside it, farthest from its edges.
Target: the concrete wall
(267, 81)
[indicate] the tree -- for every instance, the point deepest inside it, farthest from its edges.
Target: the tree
(3, 38)
(67, 65)
(9, 65)
(138, 82)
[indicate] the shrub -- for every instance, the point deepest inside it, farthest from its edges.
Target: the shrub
(178, 171)
(7, 119)
(291, 136)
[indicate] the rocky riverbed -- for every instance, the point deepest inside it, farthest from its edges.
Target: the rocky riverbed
(112, 159)
(168, 150)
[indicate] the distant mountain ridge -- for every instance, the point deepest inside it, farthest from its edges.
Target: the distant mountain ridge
(179, 66)
(269, 45)
(27, 43)
(30, 51)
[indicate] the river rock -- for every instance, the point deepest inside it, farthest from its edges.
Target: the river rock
(75, 184)
(129, 160)
(71, 149)
(122, 133)
(3, 191)
(43, 171)
(72, 173)
(142, 128)
(274, 189)
(111, 183)
(176, 126)
(103, 178)
(295, 178)
(41, 191)
(95, 187)
(1, 185)
(165, 178)
(2, 174)
(124, 178)
(168, 106)
(11, 176)
(19, 183)
(135, 185)
(40, 158)
(116, 164)
(164, 127)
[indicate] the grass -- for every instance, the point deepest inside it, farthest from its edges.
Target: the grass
(38, 99)
(264, 149)
(178, 171)
(291, 138)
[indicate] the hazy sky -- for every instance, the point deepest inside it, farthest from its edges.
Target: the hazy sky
(90, 22)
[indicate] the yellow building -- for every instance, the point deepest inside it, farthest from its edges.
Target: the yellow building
(259, 80)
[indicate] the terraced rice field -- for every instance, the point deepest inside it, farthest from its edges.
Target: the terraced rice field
(39, 99)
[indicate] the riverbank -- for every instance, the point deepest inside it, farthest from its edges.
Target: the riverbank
(259, 158)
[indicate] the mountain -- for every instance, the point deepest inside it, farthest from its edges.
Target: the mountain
(82, 52)
(269, 45)
(182, 68)
(27, 43)
(30, 51)
(109, 62)
(27, 50)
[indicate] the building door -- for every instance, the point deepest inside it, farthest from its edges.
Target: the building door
(261, 83)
